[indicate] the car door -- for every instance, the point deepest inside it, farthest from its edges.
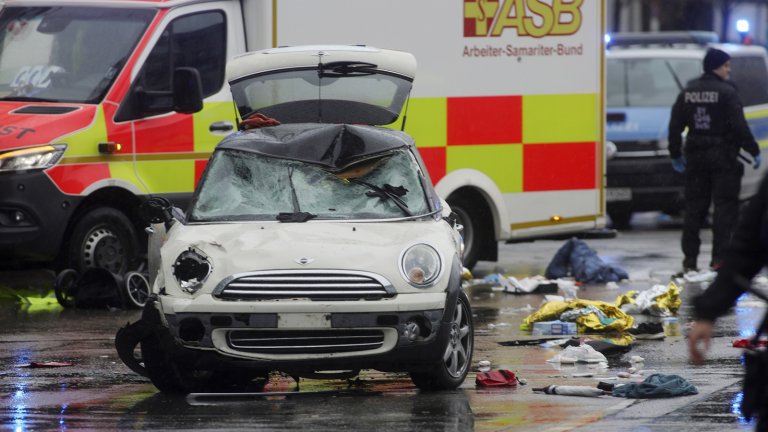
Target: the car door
(171, 149)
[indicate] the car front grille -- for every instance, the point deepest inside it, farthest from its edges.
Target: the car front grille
(305, 341)
(316, 285)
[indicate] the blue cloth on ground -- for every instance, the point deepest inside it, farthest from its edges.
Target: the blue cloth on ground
(577, 259)
(656, 386)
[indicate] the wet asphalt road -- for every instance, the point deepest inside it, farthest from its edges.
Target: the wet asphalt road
(98, 393)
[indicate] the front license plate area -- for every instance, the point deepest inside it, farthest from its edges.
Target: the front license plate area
(304, 320)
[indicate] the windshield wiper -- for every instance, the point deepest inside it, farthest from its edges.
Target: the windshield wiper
(674, 75)
(295, 217)
(385, 192)
(345, 68)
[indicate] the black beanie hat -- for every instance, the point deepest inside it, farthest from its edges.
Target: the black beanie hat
(714, 59)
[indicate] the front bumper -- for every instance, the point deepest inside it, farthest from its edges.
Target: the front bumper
(350, 340)
(654, 185)
(34, 215)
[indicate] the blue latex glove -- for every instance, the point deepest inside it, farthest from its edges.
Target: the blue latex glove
(679, 164)
(757, 161)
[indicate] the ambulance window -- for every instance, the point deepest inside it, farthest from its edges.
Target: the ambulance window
(751, 78)
(196, 40)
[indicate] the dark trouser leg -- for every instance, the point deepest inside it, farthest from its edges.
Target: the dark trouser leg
(698, 194)
(725, 195)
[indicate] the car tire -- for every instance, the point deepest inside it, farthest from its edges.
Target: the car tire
(103, 237)
(469, 218)
(65, 287)
(451, 369)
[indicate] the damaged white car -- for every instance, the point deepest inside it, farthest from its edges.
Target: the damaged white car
(314, 245)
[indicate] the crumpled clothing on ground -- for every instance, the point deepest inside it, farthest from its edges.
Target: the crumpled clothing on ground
(577, 259)
(656, 386)
(612, 318)
(659, 300)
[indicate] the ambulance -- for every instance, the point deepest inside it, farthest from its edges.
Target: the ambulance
(104, 104)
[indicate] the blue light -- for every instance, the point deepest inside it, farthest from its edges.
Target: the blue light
(742, 26)
(607, 38)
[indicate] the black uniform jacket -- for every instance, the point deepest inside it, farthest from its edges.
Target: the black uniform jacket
(745, 257)
(711, 110)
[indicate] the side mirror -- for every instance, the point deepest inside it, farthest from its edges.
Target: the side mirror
(187, 90)
(156, 210)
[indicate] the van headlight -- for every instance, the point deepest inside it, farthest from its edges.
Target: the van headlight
(420, 265)
(31, 158)
(191, 269)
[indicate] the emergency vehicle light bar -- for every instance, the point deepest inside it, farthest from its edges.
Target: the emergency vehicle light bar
(663, 38)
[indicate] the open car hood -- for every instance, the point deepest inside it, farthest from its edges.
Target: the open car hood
(323, 84)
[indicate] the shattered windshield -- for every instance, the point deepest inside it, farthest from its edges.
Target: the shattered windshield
(65, 54)
(248, 186)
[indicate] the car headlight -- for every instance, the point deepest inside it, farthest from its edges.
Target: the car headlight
(610, 149)
(420, 265)
(31, 158)
(191, 269)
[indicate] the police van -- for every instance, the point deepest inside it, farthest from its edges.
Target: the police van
(644, 74)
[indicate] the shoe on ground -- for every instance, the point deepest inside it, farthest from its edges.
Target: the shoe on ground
(648, 331)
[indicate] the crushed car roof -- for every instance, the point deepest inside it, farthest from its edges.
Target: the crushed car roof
(333, 146)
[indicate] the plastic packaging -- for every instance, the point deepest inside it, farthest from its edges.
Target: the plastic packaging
(671, 326)
(542, 328)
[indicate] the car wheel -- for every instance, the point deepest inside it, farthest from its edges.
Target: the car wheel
(452, 367)
(620, 218)
(65, 287)
(105, 238)
(470, 220)
(136, 288)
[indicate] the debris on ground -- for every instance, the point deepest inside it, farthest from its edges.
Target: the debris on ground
(659, 300)
(50, 364)
(656, 386)
(554, 328)
(608, 346)
(589, 315)
(576, 259)
(571, 390)
(698, 276)
(747, 343)
(579, 354)
(648, 331)
(496, 378)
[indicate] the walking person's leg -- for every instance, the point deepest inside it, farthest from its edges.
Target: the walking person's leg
(698, 195)
(725, 195)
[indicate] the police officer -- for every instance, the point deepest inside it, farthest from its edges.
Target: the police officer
(710, 109)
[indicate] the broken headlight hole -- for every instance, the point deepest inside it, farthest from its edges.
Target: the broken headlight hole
(191, 269)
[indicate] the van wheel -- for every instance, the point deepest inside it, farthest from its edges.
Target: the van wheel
(620, 218)
(450, 370)
(103, 237)
(469, 218)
